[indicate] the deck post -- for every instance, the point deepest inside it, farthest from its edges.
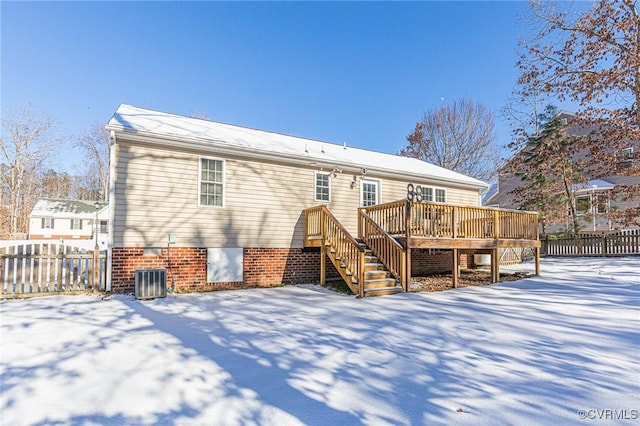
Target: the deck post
(361, 275)
(407, 230)
(495, 266)
(407, 274)
(455, 263)
(537, 259)
(323, 264)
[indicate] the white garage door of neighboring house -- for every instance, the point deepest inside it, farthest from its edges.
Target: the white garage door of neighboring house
(224, 264)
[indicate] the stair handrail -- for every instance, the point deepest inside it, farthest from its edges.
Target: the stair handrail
(346, 247)
(386, 248)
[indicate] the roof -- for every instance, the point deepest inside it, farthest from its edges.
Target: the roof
(595, 185)
(146, 125)
(53, 207)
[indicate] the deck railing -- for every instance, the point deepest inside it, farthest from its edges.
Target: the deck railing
(414, 219)
(384, 247)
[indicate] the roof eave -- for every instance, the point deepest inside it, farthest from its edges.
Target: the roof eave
(219, 146)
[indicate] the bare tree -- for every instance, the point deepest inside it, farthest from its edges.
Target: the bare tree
(523, 111)
(458, 137)
(94, 176)
(27, 145)
(54, 184)
(591, 57)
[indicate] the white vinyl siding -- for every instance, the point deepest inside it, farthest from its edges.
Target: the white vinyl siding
(263, 206)
(211, 182)
(322, 186)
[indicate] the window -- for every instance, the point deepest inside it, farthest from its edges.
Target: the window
(76, 223)
(602, 204)
(427, 193)
(211, 182)
(626, 154)
(47, 223)
(369, 193)
(322, 186)
(583, 204)
(103, 227)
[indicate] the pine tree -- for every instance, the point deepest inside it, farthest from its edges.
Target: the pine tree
(548, 172)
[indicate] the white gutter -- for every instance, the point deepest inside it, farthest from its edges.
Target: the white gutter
(112, 209)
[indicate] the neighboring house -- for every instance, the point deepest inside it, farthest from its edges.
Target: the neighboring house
(68, 219)
(222, 206)
(594, 199)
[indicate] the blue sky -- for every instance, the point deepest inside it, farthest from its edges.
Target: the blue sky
(361, 73)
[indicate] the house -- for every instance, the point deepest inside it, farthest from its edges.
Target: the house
(60, 219)
(223, 206)
(595, 197)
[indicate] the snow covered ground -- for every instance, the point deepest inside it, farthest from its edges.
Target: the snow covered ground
(563, 348)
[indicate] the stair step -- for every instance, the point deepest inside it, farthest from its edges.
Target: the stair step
(382, 291)
(376, 274)
(373, 266)
(379, 282)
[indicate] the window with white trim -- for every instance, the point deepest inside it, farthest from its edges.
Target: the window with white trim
(322, 187)
(76, 223)
(583, 204)
(427, 193)
(47, 223)
(369, 194)
(211, 182)
(626, 154)
(602, 203)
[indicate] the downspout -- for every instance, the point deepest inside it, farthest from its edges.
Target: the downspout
(111, 201)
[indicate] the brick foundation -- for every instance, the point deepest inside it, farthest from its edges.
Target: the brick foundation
(263, 267)
(428, 262)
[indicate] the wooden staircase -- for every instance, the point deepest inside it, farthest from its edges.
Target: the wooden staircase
(378, 281)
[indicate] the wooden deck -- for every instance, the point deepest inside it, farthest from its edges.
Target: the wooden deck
(391, 231)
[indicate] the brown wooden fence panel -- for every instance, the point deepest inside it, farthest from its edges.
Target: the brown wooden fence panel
(32, 268)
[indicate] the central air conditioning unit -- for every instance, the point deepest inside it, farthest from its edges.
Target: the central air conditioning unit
(151, 283)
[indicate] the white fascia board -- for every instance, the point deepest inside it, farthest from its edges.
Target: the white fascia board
(222, 147)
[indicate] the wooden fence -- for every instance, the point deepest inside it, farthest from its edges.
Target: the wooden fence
(515, 255)
(621, 243)
(35, 268)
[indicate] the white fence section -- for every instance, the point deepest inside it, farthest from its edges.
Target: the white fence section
(622, 243)
(44, 267)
